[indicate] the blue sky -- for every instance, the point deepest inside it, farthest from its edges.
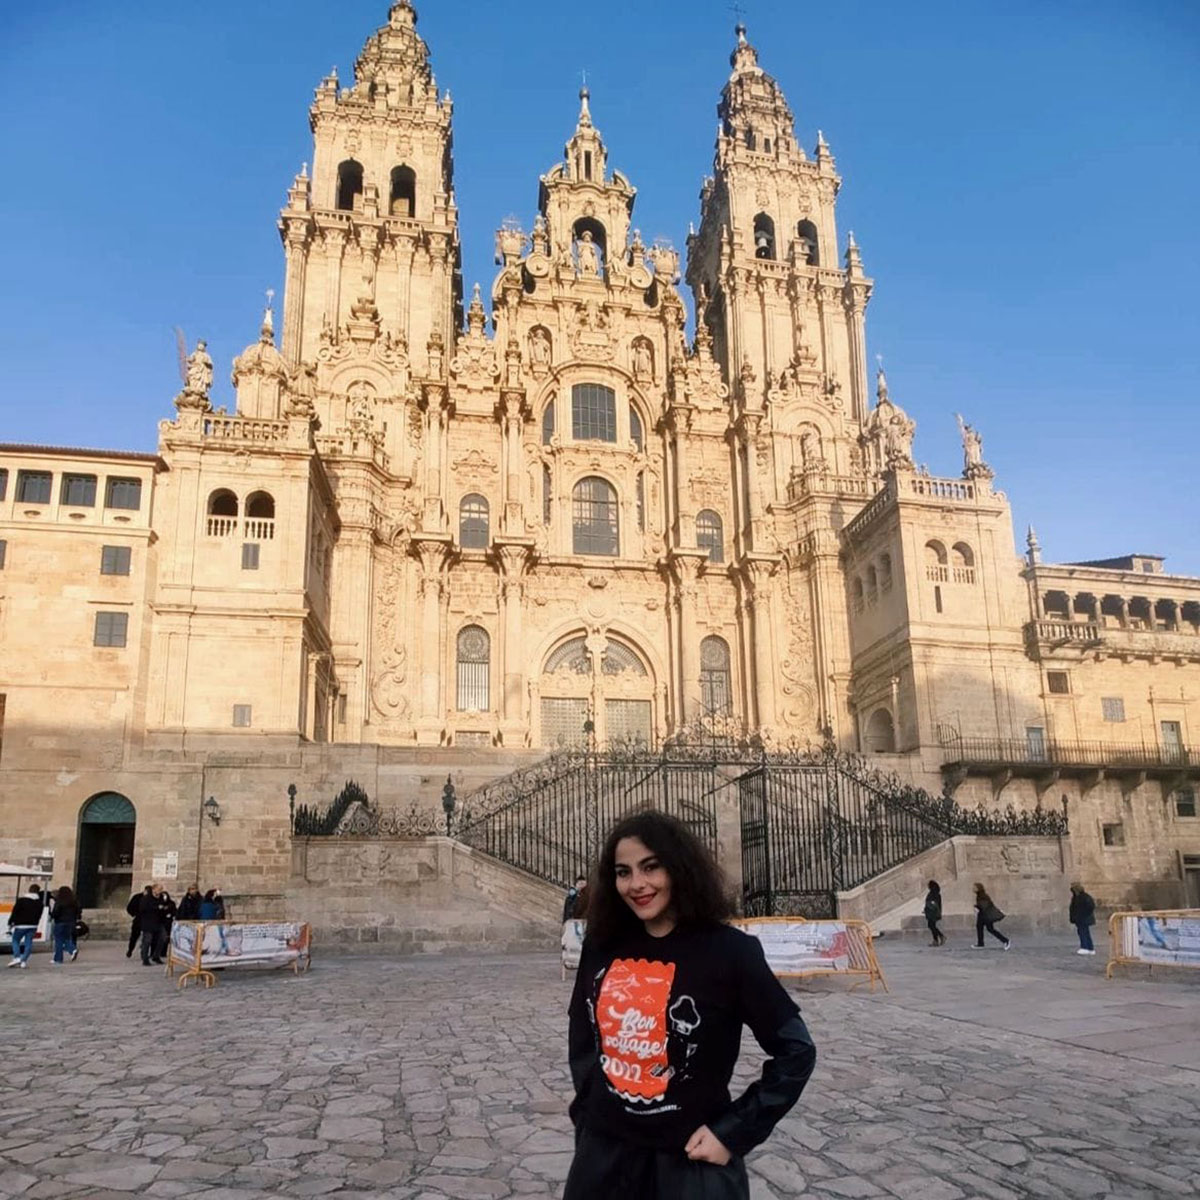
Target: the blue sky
(1023, 179)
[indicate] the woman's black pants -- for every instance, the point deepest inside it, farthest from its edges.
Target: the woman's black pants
(936, 933)
(607, 1169)
(990, 926)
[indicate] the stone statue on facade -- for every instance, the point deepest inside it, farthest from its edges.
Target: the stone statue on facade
(588, 256)
(539, 348)
(643, 359)
(973, 465)
(889, 430)
(197, 372)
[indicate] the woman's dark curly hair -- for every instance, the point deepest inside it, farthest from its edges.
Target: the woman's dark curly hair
(698, 894)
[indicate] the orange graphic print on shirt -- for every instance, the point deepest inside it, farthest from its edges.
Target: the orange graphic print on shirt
(631, 1015)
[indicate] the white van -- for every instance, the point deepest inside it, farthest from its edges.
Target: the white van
(14, 882)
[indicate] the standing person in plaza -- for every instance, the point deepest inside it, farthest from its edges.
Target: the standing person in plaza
(134, 908)
(212, 907)
(987, 914)
(189, 906)
(933, 913)
(150, 920)
(167, 909)
(22, 925)
(575, 901)
(1083, 916)
(65, 914)
(663, 990)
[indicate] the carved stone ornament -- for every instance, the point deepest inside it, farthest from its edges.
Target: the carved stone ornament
(592, 337)
(474, 466)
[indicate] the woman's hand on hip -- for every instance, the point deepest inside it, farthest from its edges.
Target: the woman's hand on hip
(705, 1146)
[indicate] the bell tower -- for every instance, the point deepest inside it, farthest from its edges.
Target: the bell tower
(372, 236)
(764, 264)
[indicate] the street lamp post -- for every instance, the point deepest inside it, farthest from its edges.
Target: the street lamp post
(449, 799)
(291, 790)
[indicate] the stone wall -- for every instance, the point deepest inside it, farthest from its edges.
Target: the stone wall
(1028, 877)
(413, 896)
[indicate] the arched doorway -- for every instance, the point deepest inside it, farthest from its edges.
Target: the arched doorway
(613, 690)
(104, 862)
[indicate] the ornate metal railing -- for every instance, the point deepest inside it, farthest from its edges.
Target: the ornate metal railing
(1050, 752)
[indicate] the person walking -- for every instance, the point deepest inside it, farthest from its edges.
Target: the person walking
(23, 921)
(663, 990)
(933, 913)
(65, 914)
(150, 920)
(168, 910)
(189, 906)
(133, 908)
(987, 914)
(1083, 916)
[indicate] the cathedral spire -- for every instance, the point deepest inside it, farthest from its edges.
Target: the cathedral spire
(585, 113)
(586, 155)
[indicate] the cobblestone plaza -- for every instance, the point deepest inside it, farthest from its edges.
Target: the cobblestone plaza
(980, 1075)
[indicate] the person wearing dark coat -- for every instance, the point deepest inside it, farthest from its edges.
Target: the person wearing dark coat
(150, 915)
(933, 913)
(65, 914)
(987, 914)
(189, 906)
(133, 908)
(212, 907)
(23, 921)
(1083, 916)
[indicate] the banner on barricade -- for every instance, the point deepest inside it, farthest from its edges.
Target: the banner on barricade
(202, 947)
(797, 949)
(1164, 938)
(572, 944)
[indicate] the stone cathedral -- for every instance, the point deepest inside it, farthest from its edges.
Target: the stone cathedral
(445, 533)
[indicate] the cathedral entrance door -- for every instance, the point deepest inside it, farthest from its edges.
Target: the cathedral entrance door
(104, 860)
(587, 704)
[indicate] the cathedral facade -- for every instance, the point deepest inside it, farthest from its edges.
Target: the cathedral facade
(453, 534)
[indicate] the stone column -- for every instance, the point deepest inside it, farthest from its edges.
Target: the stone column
(511, 406)
(685, 567)
(432, 553)
(759, 571)
(514, 560)
(749, 431)
(296, 258)
(435, 421)
(335, 246)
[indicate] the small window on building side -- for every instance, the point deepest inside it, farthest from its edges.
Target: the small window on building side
(3, 482)
(548, 423)
(937, 597)
(710, 535)
(1113, 834)
(78, 491)
(1113, 708)
(241, 716)
(123, 493)
(33, 487)
(1185, 803)
(341, 708)
(635, 430)
(3, 553)
(112, 629)
(1058, 683)
(115, 560)
(250, 556)
(473, 516)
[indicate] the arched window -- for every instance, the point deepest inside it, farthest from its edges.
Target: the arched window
(962, 563)
(473, 523)
(872, 585)
(261, 504)
(349, 184)
(403, 200)
(222, 513)
(806, 232)
(594, 517)
(222, 503)
(716, 689)
(856, 594)
(885, 573)
(710, 535)
(764, 236)
(936, 568)
(474, 651)
(593, 413)
(635, 430)
(548, 423)
(260, 517)
(881, 732)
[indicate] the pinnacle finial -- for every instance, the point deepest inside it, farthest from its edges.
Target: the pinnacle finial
(740, 30)
(881, 384)
(585, 113)
(267, 333)
(1033, 546)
